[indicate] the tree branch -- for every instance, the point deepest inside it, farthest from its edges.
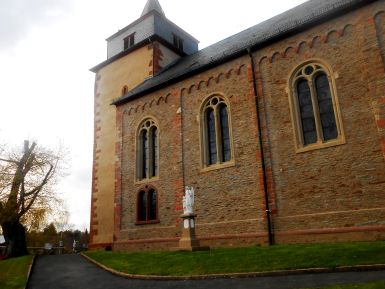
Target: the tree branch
(36, 191)
(9, 161)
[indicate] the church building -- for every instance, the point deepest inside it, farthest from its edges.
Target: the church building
(279, 129)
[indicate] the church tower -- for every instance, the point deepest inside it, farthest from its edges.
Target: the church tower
(135, 53)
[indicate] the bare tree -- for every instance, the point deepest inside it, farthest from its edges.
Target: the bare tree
(26, 189)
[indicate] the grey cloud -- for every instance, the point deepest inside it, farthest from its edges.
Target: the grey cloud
(18, 16)
(80, 177)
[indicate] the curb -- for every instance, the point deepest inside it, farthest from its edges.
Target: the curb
(376, 267)
(30, 268)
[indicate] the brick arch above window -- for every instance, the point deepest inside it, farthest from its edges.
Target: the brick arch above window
(217, 149)
(314, 106)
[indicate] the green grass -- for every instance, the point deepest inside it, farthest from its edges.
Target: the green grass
(238, 260)
(374, 285)
(13, 272)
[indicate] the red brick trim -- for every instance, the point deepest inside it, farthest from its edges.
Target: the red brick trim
(332, 230)
(158, 57)
(142, 106)
(207, 238)
(223, 75)
(118, 173)
(235, 236)
(286, 53)
(157, 240)
(96, 152)
(264, 234)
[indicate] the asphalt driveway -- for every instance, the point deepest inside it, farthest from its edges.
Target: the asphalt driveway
(75, 272)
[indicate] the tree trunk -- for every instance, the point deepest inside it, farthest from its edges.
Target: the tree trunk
(14, 235)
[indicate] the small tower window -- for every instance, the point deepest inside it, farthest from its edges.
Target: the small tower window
(129, 41)
(178, 42)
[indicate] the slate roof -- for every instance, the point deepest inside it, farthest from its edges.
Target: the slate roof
(288, 23)
(152, 5)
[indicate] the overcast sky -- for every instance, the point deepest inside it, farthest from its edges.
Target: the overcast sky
(47, 48)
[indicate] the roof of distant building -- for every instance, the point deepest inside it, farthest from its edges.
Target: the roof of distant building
(288, 23)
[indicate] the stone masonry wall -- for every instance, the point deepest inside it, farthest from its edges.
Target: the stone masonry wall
(329, 194)
(228, 201)
(335, 193)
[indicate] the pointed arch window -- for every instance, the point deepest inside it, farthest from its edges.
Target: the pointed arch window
(314, 105)
(147, 206)
(216, 132)
(147, 150)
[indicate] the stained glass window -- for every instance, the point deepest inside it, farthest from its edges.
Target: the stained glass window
(147, 205)
(306, 111)
(148, 150)
(211, 136)
(325, 105)
(315, 106)
(154, 153)
(152, 205)
(224, 124)
(216, 135)
(144, 154)
(142, 206)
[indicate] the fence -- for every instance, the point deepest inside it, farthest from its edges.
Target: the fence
(46, 250)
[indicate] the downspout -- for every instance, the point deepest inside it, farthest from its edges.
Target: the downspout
(182, 139)
(260, 141)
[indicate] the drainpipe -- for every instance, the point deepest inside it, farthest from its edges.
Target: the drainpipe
(182, 138)
(263, 164)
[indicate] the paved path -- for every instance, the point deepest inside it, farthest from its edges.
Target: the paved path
(74, 272)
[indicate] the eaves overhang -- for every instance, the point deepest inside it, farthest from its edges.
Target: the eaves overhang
(137, 46)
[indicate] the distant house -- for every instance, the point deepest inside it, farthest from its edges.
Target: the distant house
(280, 129)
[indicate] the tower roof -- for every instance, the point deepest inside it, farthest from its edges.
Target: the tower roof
(152, 5)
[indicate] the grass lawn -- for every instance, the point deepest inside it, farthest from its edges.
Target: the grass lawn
(13, 272)
(238, 260)
(374, 285)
